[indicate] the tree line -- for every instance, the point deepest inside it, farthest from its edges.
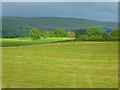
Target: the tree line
(35, 33)
(90, 34)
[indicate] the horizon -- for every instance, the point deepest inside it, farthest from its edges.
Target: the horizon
(97, 11)
(62, 17)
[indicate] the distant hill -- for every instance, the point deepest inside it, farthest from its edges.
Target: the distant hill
(20, 25)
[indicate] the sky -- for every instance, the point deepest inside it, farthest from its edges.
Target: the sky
(100, 11)
(59, 0)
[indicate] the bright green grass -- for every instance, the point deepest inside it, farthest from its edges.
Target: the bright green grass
(61, 65)
(28, 41)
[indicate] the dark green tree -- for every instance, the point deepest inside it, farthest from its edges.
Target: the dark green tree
(60, 33)
(34, 33)
(106, 36)
(83, 37)
(94, 34)
(115, 34)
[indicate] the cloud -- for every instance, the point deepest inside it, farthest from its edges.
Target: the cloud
(102, 11)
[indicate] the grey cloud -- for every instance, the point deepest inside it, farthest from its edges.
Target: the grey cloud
(101, 11)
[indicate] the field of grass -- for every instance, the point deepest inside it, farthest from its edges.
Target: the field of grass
(61, 65)
(27, 41)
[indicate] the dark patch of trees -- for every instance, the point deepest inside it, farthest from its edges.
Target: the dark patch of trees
(80, 32)
(92, 34)
(98, 35)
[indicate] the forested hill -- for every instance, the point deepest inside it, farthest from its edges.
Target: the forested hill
(20, 25)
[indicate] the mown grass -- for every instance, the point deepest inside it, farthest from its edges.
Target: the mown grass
(27, 41)
(61, 65)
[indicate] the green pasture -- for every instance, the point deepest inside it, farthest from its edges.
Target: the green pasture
(27, 41)
(60, 65)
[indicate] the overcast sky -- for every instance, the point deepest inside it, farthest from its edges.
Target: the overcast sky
(101, 11)
(60, 0)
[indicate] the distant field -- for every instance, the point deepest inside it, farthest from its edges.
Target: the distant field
(27, 41)
(61, 65)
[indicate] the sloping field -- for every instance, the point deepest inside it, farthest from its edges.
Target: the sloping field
(61, 65)
(27, 41)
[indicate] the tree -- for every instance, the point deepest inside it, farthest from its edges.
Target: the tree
(115, 34)
(94, 34)
(106, 36)
(59, 33)
(83, 37)
(80, 32)
(71, 34)
(34, 33)
(47, 34)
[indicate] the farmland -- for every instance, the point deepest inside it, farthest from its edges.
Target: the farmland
(61, 65)
(67, 45)
(27, 41)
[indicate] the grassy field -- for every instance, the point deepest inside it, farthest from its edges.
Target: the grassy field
(27, 41)
(61, 65)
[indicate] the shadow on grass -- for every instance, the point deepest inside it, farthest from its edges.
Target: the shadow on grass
(13, 44)
(10, 44)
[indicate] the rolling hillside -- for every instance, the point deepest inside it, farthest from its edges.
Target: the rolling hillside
(20, 25)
